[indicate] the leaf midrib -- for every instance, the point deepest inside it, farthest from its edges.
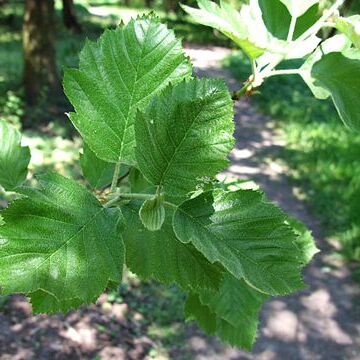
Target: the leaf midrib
(169, 163)
(127, 118)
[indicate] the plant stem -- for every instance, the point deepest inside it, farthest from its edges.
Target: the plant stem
(320, 23)
(285, 72)
(292, 29)
(124, 176)
(115, 177)
(238, 94)
(268, 69)
(170, 205)
(135, 197)
(254, 69)
(312, 31)
(112, 202)
(128, 197)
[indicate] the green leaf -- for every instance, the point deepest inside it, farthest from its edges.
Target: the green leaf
(337, 43)
(195, 310)
(60, 240)
(97, 172)
(46, 303)
(185, 135)
(228, 21)
(298, 8)
(351, 28)
(231, 312)
(338, 74)
(152, 213)
(236, 26)
(138, 183)
(246, 234)
(248, 29)
(236, 302)
(117, 76)
(14, 159)
(305, 241)
(277, 18)
(161, 256)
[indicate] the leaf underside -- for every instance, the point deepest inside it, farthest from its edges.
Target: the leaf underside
(227, 20)
(298, 8)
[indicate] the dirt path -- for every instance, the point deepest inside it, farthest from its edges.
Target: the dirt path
(320, 322)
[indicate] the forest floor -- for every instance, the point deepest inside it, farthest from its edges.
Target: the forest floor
(321, 322)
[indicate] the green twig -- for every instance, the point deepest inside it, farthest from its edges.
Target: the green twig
(285, 72)
(238, 94)
(120, 197)
(292, 29)
(115, 177)
(121, 178)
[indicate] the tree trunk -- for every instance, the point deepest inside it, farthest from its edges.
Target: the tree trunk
(40, 71)
(69, 16)
(149, 3)
(127, 3)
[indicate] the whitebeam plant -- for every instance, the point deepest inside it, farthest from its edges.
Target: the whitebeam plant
(145, 117)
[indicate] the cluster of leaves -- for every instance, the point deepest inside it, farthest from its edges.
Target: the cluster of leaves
(142, 113)
(273, 31)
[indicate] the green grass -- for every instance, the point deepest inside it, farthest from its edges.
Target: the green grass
(323, 156)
